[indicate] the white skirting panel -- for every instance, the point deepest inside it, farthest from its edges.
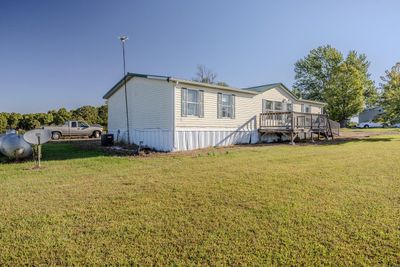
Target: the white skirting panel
(157, 139)
(192, 138)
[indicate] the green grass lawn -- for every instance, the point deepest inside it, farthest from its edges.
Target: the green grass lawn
(281, 205)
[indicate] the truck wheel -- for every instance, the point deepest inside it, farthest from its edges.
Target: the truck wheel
(96, 134)
(366, 126)
(55, 135)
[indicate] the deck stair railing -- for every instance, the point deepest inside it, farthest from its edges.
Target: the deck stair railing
(334, 127)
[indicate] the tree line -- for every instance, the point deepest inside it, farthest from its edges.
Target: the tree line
(90, 114)
(344, 83)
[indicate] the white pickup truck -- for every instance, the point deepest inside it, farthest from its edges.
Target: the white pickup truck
(371, 124)
(75, 128)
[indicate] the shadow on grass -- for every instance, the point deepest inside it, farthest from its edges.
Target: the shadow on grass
(57, 152)
(66, 151)
(342, 141)
(321, 142)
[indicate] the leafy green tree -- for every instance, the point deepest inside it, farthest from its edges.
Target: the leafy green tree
(391, 94)
(44, 118)
(344, 93)
(102, 115)
(314, 71)
(13, 120)
(86, 113)
(60, 116)
(322, 69)
(28, 122)
(360, 62)
(90, 114)
(3, 122)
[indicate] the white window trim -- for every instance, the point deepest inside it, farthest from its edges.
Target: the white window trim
(199, 104)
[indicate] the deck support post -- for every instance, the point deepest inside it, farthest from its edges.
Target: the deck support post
(312, 137)
(292, 138)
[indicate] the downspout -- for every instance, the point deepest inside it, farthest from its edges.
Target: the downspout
(126, 110)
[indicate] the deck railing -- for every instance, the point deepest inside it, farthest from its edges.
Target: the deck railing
(293, 121)
(334, 127)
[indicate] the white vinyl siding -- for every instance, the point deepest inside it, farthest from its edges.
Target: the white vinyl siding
(150, 109)
(247, 108)
(116, 112)
(243, 113)
(150, 103)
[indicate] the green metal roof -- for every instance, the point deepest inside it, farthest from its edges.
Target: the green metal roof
(266, 87)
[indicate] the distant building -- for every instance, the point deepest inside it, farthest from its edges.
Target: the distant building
(370, 114)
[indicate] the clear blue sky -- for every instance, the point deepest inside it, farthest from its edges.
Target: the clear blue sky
(66, 53)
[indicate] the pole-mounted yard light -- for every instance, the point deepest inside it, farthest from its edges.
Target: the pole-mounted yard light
(123, 39)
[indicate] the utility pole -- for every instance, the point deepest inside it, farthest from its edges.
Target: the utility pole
(123, 39)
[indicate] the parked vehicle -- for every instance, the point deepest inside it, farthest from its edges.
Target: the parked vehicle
(75, 128)
(397, 125)
(371, 124)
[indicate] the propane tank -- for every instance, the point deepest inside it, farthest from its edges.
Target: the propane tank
(14, 146)
(1, 138)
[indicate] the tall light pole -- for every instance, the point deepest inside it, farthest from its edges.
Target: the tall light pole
(123, 39)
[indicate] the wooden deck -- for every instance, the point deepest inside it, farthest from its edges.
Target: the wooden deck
(292, 123)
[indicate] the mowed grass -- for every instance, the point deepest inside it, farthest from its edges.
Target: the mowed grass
(269, 205)
(371, 130)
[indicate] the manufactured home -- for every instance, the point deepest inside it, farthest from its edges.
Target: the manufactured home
(170, 114)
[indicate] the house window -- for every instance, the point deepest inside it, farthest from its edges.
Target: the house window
(226, 106)
(268, 106)
(305, 108)
(192, 102)
(278, 106)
